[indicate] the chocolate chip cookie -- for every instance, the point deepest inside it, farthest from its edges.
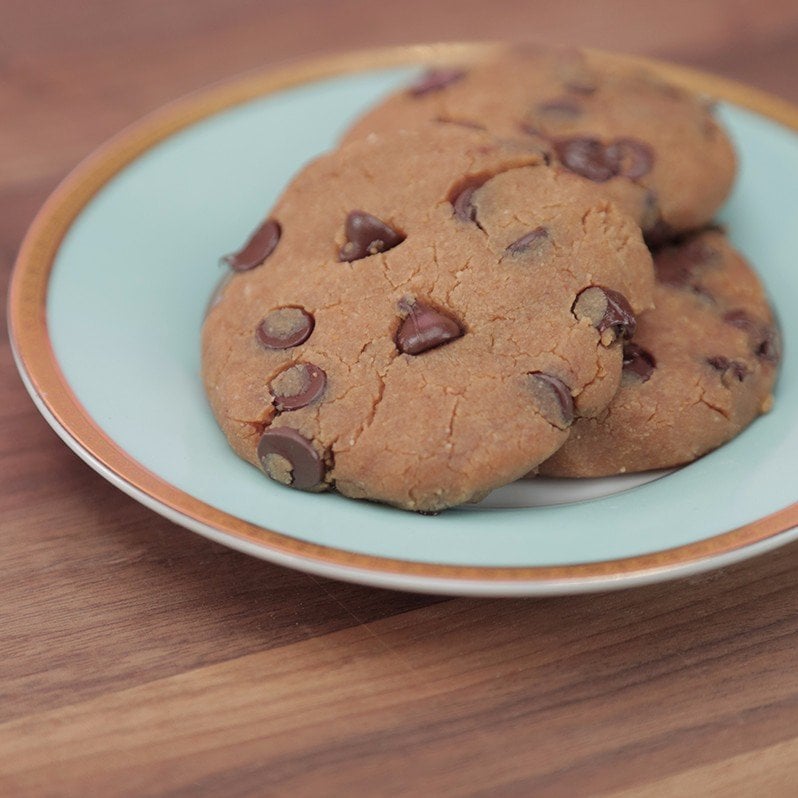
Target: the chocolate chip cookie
(700, 368)
(655, 149)
(421, 317)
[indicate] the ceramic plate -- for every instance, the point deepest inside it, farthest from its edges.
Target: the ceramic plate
(109, 293)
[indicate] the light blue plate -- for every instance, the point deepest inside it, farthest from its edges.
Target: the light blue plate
(126, 298)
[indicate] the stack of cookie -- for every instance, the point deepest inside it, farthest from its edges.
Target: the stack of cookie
(464, 292)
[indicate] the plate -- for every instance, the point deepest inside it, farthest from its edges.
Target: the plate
(109, 291)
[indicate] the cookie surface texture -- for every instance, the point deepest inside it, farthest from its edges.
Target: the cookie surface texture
(654, 148)
(699, 369)
(413, 337)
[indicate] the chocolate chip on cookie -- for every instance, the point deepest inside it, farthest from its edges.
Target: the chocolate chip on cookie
(283, 328)
(530, 243)
(298, 386)
(638, 363)
(763, 337)
(607, 310)
(728, 369)
(367, 235)
(260, 245)
(629, 157)
(560, 109)
(288, 457)
(553, 399)
(586, 157)
(424, 328)
(461, 197)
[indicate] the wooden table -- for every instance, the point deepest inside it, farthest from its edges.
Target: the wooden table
(140, 659)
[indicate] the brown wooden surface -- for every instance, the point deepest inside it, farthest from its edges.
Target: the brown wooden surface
(139, 659)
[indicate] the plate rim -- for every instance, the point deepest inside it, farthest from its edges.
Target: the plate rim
(53, 396)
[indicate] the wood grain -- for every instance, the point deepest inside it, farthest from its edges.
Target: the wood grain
(139, 659)
(565, 696)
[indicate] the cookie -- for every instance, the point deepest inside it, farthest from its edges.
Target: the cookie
(406, 326)
(699, 369)
(655, 149)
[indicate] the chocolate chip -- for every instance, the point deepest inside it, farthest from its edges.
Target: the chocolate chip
(435, 80)
(533, 242)
(728, 368)
(586, 157)
(581, 85)
(608, 311)
(531, 130)
(289, 458)
(719, 362)
(285, 327)
(766, 343)
(564, 106)
(553, 398)
(424, 328)
(630, 158)
(367, 235)
(599, 162)
(298, 386)
(703, 294)
(769, 348)
(638, 362)
(559, 110)
(463, 207)
(460, 123)
(740, 370)
(260, 245)
(741, 320)
(461, 197)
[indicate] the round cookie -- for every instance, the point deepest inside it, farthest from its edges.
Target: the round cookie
(420, 319)
(700, 368)
(655, 149)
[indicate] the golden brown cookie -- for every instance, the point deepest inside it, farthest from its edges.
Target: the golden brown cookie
(655, 149)
(421, 318)
(700, 368)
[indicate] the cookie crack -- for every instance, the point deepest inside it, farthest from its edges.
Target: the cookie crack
(702, 400)
(449, 444)
(382, 378)
(600, 374)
